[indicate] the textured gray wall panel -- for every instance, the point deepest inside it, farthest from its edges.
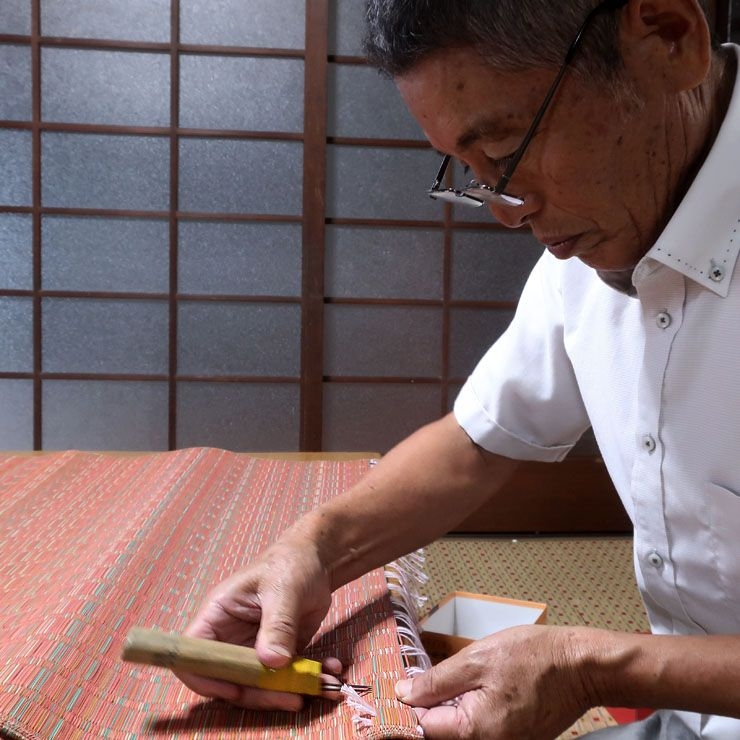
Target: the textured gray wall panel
(16, 252)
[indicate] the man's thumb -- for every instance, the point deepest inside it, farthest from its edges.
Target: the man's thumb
(277, 637)
(429, 688)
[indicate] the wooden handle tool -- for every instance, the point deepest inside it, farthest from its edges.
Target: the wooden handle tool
(222, 660)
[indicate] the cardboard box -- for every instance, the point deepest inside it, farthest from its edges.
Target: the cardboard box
(460, 618)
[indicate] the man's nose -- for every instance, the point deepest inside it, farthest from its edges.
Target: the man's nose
(514, 217)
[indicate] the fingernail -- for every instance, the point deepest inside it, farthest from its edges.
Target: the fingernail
(403, 689)
(282, 651)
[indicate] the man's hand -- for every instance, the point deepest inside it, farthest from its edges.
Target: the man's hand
(434, 478)
(519, 683)
(275, 605)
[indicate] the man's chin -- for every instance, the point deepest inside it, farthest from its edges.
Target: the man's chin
(605, 264)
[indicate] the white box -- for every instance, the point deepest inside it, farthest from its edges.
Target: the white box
(460, 618)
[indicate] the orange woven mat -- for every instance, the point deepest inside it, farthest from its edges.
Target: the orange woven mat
(93, 544)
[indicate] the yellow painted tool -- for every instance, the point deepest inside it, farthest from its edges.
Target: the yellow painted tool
(227, 662)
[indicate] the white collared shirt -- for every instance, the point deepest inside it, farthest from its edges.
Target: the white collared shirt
(657, 376)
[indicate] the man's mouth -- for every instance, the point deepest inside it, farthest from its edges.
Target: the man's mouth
(560, 246)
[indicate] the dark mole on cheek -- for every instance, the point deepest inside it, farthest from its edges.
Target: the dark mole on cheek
(620, 140)
(460, 86)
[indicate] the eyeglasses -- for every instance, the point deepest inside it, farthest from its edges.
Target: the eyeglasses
(477, 194)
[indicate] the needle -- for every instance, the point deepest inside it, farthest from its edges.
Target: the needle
(359, 688)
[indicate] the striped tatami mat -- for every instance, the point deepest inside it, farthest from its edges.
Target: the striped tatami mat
(91, 545)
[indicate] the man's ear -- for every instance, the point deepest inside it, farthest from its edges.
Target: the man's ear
(668, 39)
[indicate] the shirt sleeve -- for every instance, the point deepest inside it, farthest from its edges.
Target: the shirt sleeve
(522, 400)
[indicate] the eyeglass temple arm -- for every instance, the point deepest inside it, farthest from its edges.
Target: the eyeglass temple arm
(506, 176)
(443, 168)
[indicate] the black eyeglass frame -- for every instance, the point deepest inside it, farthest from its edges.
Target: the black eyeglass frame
(477, 194)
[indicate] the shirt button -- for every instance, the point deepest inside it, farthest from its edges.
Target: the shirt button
(648, 443)
(663, 319)
(655, 559)
(716, 273)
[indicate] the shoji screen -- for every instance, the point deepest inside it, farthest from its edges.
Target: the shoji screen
(213, 231)
(151, 223)
(415, 292)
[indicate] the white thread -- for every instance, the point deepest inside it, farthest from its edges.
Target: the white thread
(362, 712)
(405, 576)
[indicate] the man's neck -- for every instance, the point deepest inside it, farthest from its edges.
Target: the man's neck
(712, 98)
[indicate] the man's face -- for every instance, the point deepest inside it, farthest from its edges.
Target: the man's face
(597, 178)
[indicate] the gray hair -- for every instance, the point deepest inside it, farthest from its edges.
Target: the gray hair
(512, 35)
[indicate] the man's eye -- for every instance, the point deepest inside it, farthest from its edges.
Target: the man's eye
(501, 163)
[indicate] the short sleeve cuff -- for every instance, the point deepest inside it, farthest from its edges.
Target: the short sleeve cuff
(488, 434)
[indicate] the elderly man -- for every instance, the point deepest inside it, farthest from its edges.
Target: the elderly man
(612, 131)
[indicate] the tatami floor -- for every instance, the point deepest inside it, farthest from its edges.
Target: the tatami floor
(583, 581)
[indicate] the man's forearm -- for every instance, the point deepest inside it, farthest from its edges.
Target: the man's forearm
(692, 673)
(421, 489)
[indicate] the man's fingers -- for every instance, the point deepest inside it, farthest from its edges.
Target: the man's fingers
(277, 638)
(441, 683)
(274, 651)
(330, 679)
(332, 666)
(210, 687)
(269, 700)
(440, 723)
(243, 696)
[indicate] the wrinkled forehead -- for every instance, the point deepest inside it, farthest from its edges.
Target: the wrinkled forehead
(456, 97)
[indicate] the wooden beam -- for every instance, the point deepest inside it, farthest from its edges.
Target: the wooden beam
(314, 227)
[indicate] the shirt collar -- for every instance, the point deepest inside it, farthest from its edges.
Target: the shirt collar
(702, 239)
